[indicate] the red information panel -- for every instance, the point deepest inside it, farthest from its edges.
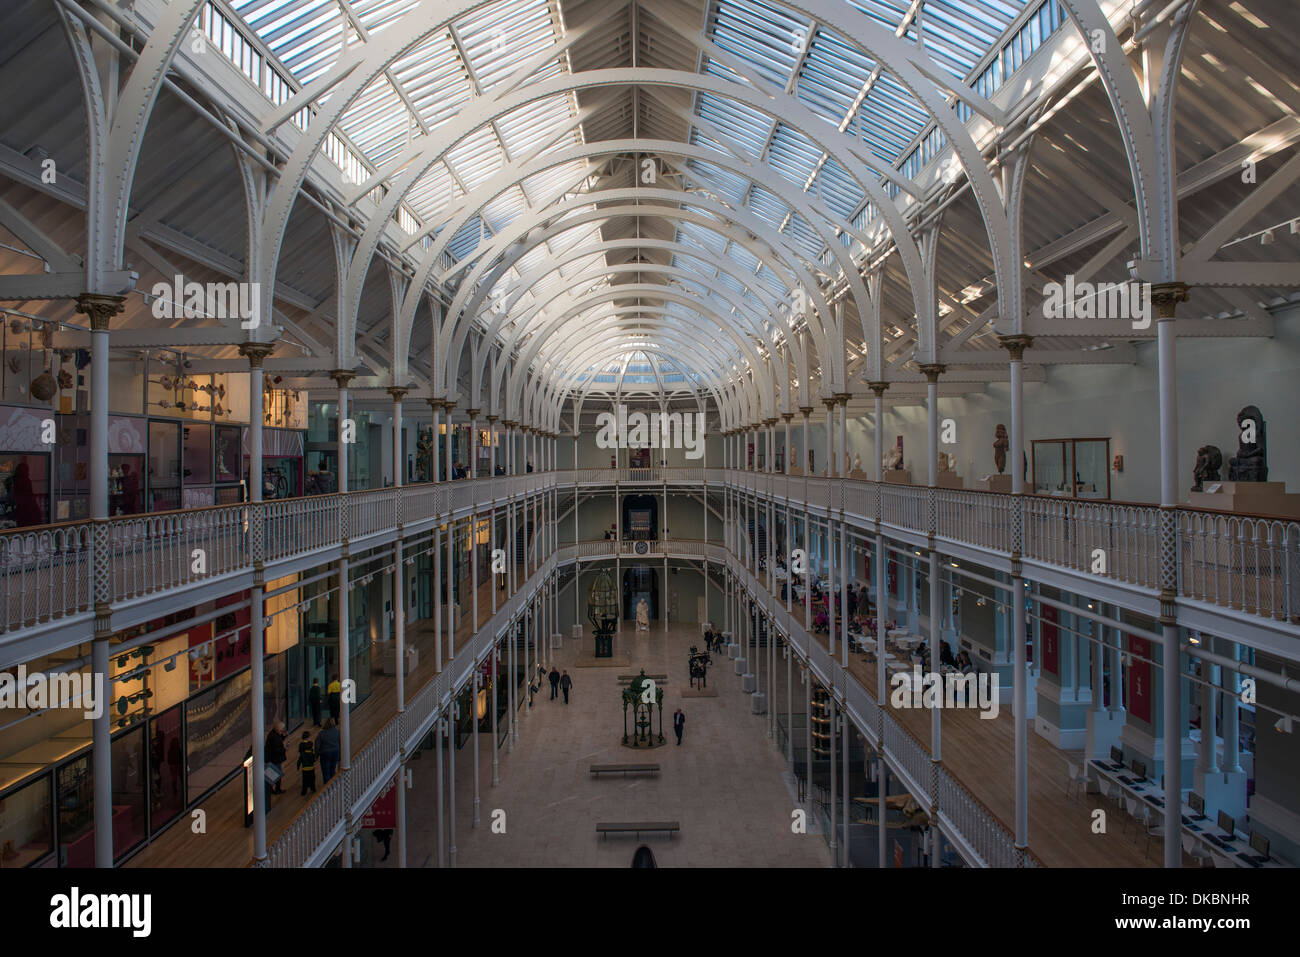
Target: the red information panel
(383, 813)
(1139, 679)
(1051, 642)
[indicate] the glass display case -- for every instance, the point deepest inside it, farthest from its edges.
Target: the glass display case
(1071, 468)
(24, 489)
(164, 466)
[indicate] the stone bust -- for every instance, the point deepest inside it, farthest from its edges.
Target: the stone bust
(1000, 445)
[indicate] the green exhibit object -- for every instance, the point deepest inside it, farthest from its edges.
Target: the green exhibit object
(602, 612)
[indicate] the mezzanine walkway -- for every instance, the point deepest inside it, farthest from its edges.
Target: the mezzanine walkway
(227, 843)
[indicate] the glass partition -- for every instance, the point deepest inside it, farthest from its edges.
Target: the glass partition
(1071, 468)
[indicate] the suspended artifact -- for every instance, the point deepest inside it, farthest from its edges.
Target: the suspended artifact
(602, 612)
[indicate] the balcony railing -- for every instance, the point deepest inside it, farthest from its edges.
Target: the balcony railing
(48, 573)
(1249, 564)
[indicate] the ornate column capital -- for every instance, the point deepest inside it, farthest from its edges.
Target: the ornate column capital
(843, 397)
(255, 352)
(770, 421)
(1165, 296)
(397, 392)
(492, 419)
(472, 413)
(829, 402)
(933, 370)
(449, 404)
(878, 387)
(806, 410)
(342, 377)
(1016, 345)
(434, 404)
(100, 308)
(787, 416)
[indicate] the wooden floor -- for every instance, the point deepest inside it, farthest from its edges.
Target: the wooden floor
(227, 843)
(980, 753)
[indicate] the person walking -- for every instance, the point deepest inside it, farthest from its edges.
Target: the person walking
(555, 682)
(335, 698)
(679, 725)
(275, 754)
(565, 684)
(307, 762)
(329, 749)
(313, 701)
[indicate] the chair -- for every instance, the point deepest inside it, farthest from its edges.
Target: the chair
(1141, 814)
(1077, 776)
(1138, 812)
(1105, 787)
(1193, 849)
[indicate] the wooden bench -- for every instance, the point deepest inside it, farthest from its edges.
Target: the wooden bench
(637, 828)
(626, 769)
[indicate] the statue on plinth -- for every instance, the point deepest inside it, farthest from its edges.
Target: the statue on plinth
(1250, 464)
(642, 616)
(945, 464)
(893, 459)
(1000, 445)
(1208, 462)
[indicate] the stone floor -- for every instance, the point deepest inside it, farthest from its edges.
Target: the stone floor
(726, 784)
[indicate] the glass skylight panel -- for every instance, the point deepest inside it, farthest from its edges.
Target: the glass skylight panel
(792, 155)
(434, 79)
(764, 35)
(504, 209)
(768, 206)
(525, 129)
(465, 240)
(804, 235)
(721, 181)
(837, 189)
(476, 157)
(746, 128)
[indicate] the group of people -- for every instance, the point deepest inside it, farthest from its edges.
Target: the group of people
(327, 748)
(714, 640)
(560, 682)
(960, 661)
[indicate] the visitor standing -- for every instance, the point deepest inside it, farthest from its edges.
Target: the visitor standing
(565, 684)
(679, 724)
(313, 699)
(335, 698)
(275, 754)
(329, 749)
(307, 762)
(555, 682)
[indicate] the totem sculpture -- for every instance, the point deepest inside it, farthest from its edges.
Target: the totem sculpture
(1000, 445)
(1250, 464)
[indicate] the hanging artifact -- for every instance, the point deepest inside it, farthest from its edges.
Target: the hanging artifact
(602, 612)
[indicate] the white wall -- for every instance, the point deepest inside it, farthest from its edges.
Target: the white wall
(1216, 378)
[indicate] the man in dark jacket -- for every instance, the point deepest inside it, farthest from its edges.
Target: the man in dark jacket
(555, 682)
(565, 684)
(679, 724)
(275, 753)
(329, 749)
(313, 700)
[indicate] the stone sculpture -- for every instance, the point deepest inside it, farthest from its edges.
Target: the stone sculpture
(1250, 464)
(1208, 462)
(945, 465)
(1000, 445)
(893, 459)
